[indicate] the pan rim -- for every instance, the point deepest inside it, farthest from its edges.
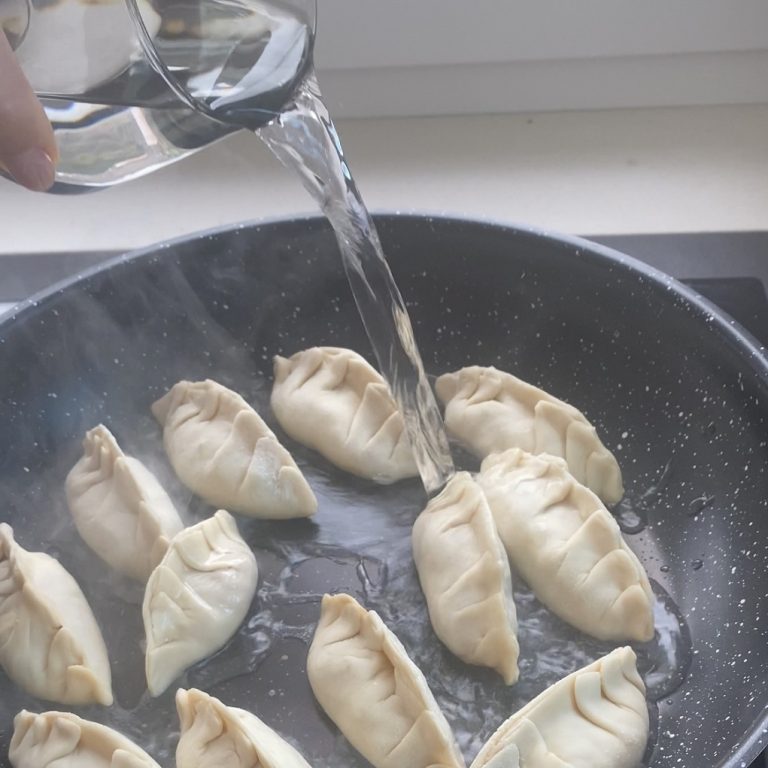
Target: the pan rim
(755, 738)
(737, 333)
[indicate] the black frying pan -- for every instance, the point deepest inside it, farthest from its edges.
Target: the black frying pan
(669, 381)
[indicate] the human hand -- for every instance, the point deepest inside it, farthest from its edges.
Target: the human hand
(27, 146)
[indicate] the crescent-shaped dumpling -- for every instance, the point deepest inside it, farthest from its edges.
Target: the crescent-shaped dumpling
(596, 717)
(214, 735)
(490, 411)
(120, 509)
(362, 677)
(196, 598)
(330, 399)
(223, 451)
(50, 643)
(465, 577)
(567, 546)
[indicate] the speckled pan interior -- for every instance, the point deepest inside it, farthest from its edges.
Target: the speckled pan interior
(678, 392)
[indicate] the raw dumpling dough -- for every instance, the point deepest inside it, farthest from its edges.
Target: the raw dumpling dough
(50, 643)
(119, 507)
(223, 451)
(63, 740)
(331, 400)
(567, 546)
(464, 573)
(216, 736)
(196, 598)
(594, 718)
(363, 679)
(490, 411)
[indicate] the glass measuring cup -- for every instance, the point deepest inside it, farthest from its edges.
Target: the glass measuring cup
(130, 85)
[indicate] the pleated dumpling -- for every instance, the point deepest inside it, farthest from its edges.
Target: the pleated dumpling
(330, 399)
(64, 740)
(464, 573)
(214, 735)
(120, 509)
(594, 718)
(50, 643)
(567, 546)
(223, 451)
(490, 411)
(362, 677)
(196, 598)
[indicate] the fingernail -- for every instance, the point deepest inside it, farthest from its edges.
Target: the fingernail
(33, 169)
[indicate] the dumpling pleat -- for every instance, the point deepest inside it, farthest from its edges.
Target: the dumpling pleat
(591, 705)
(622, 683)
(477, 588)
(528, 750)
(55, 739)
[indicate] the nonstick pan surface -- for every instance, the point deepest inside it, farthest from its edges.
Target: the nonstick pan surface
(677, 390)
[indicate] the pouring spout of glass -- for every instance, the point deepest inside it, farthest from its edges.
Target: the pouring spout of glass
(133, 85)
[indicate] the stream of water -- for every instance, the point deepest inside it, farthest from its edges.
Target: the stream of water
(304, 139)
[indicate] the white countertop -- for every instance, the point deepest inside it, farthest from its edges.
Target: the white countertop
(600, 172)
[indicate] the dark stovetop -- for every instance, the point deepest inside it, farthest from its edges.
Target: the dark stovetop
(729, 268)
(712, 254)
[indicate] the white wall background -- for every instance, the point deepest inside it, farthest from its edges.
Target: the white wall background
(422, 57)
(572, 162)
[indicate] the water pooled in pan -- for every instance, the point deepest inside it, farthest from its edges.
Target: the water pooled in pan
(632, 511)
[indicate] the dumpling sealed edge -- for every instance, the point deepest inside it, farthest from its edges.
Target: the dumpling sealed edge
(52, 739)
(196, 598)
(222, 450)
(490, 411)
(50, 643)
(120, 509)
(364, 680)
(596, 717)
(465, 577)
(567, 546)
(331, 400)
(214, 735)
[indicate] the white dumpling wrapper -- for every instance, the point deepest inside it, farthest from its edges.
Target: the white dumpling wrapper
(50, 643)
(119, 507)
(364, 680)
(490, 411)
(197, 597)
(567, 546)
(223, 451)
(214, 735)
(63, 740)
(331, 400)
(464, 574)
(596, 717)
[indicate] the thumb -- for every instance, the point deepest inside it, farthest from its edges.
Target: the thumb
(27, 145)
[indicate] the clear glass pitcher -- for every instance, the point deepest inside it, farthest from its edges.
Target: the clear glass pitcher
(133, 85)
